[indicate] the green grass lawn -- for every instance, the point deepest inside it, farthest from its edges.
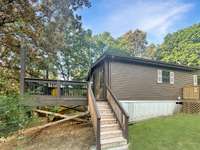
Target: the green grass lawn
(179, 132)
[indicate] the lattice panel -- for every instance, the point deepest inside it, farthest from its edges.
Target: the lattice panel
(191, 107)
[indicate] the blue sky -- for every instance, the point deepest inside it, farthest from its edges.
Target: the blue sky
(156, 17)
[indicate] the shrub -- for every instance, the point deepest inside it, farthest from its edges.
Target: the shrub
(13, 114)
(8, 83)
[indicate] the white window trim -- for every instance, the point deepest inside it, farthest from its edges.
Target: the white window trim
(195, 80)
(159, 76)
(171, 77)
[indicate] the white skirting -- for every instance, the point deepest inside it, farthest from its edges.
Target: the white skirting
(145, 109)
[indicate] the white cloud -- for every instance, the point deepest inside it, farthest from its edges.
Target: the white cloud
(156, 17)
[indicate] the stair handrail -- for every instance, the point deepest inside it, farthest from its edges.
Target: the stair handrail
(95, 116)
(118, 110)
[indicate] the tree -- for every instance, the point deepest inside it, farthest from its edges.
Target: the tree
(40, 25)
(84, 49)
(104, 42)
(18, 22)
(62, 24)
(74, 58)
(150, 51)
(182, 47)
(135, 42)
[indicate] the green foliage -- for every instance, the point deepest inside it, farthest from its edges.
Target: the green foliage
(82, 49)
(13, 115)
(182, 47)
(134, 42)
(62, 35)
(54, 109)
(8, 83)
(104, 42)
(54, 41)
(39, 27)
(85, 49)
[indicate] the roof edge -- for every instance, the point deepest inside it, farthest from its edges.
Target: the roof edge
(143, 61)
(155, 62)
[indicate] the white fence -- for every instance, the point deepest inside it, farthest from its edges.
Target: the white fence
(141, 110)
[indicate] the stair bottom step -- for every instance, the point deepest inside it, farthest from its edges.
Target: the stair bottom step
(123, 147)
(113, 142)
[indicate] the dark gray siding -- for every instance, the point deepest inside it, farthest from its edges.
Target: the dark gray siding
(139, 82)
(98, 90)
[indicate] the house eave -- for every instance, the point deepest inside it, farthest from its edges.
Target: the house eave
(141, 61)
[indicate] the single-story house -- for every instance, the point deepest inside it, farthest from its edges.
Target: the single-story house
(146, 88)
(121, 89)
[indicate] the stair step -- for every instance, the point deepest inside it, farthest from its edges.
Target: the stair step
(108, 121)
(123, 147)
(103, 106)
(107, 112)
(107, 116)
(113, 142)
(104, 111)
(111, 134)
(102, 102)
(109, 127)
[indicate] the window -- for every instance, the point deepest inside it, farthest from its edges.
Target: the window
(165, 76)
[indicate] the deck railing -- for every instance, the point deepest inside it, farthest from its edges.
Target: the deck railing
(56, 88)
(191, 92)
(95, 116)
(119, 112)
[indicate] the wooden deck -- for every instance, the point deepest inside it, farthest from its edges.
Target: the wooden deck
(55, 92)
(40, 100)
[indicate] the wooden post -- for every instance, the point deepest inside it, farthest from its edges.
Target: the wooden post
(22, 68)
(106, 82)
(98, 134)
(58, 88)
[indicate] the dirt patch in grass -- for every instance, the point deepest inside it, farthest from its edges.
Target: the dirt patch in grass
(66, 136)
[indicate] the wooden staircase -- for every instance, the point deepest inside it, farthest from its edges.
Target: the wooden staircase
(111, 137)
(109, 120)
